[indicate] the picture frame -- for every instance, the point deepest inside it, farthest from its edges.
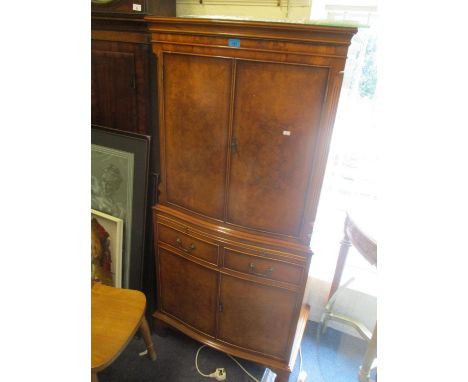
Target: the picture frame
(119, 187)
(106, 248)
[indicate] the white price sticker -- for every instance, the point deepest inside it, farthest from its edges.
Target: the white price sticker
(137, 7)
(286, 132)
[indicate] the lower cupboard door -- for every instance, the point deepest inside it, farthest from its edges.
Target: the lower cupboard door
(188, 291)
(256, 316)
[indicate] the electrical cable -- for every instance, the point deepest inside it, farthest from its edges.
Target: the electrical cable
(300, 358)
(238, 363)
(196, 362)
(235, 360)
(302, 373)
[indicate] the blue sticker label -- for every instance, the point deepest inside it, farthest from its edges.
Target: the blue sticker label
(234, 42)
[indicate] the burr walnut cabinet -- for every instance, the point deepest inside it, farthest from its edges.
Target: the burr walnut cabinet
(246, 111)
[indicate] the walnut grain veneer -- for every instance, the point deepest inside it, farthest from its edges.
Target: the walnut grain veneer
(245, 127)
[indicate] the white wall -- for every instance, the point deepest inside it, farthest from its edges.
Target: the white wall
(352, 302)
(296, 10)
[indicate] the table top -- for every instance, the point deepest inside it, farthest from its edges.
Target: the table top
(115, 317)
(361, 240)
(366, 219)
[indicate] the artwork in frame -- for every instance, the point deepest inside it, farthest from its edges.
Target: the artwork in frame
(106, 248)
(119, 185)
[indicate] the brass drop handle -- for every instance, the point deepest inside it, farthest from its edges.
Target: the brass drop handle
(253, 270)
(186, 250)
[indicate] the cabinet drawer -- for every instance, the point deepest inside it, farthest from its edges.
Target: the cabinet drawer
(260, 266)
(188, 244)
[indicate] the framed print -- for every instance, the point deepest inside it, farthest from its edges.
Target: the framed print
(119, 187)
(106, 248)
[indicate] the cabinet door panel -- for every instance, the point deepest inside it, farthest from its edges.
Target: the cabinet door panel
(113, 90)
(196, 116)
(276, 120)
(188, 291)
(255, 316)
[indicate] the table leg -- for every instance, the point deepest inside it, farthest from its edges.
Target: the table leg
(94, 377)
(345, 244)
(371, 354)
(340, 263)
(146, 333)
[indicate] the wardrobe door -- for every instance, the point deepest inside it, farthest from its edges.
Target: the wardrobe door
(113, 90)
(275, 127)
(256, 316)
(188, 291)
(196, 116)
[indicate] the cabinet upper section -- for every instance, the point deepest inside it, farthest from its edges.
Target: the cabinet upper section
(253, 36)
(246, 111)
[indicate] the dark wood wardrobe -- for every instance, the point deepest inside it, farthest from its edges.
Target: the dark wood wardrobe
(123, 93)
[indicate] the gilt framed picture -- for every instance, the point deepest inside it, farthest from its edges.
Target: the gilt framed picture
(106, 248)
(119, 187)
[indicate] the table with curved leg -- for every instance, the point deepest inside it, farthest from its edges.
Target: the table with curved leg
(116, 315)
(367, 247)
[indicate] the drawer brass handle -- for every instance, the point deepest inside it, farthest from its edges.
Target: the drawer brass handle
(253, 270)
(186, 250)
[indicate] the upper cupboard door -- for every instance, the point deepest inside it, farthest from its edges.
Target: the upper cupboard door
(113, 90)
(275, 128)
(196, 116)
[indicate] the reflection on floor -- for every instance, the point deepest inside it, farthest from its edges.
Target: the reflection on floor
(332, 357)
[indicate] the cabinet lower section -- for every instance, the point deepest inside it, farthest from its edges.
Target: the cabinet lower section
(281, 367)
(229, 291)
